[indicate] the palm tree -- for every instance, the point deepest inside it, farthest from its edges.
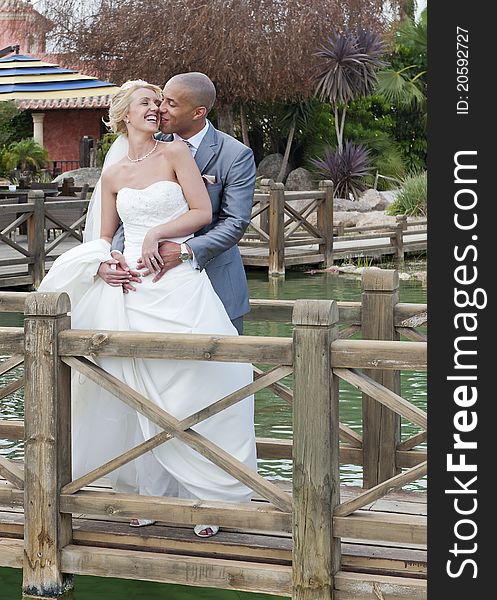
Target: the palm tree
(26, 155)
(296, 118)
(349, 62)
(405, 87)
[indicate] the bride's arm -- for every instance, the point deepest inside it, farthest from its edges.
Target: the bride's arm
(110, 217)
(196, 195)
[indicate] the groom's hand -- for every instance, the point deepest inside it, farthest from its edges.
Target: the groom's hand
(116, 272)
(169, 252)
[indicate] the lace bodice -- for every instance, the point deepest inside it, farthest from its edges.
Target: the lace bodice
(141, 209)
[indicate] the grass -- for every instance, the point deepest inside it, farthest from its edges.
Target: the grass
(412, 198)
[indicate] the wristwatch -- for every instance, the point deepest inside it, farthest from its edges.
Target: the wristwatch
(184, 255)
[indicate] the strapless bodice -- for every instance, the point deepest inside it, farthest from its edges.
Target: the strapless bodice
(141, 209)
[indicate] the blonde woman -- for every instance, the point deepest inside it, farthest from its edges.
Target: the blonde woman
(155, 189)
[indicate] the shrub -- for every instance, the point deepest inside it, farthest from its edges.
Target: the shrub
(27, 155)
(412, 198)
(347, 168)
(103, 146)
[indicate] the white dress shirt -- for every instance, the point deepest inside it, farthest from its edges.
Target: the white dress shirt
(195, 140)
(193, 144)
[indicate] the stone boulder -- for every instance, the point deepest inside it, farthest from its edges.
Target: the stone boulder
(375, 217)
(373, 199)
(81, 176)
(270, 166)
(301, 179)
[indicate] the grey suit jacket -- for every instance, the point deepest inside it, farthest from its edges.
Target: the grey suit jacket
(215, 245)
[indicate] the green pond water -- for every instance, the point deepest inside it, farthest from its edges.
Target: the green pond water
(273, 419)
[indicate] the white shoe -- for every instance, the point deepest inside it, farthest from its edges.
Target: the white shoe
(205, 531)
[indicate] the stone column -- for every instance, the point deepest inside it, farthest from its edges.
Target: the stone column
(38, 127)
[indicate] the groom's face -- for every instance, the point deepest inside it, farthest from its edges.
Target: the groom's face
(177, 110)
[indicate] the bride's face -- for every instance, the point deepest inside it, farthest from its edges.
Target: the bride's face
(143, 111)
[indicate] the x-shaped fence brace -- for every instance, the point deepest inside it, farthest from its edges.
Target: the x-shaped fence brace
(12, 472)
(69, 230)
(405, 409)
(182, 429)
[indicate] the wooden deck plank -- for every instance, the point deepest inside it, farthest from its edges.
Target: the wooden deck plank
(228, 544)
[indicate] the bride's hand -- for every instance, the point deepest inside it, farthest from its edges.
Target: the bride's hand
(150, 252)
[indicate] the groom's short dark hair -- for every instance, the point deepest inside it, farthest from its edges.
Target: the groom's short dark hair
(200, 86)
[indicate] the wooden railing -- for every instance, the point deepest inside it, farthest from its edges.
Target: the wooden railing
(318, 354)
(41, 214)
(277, 225)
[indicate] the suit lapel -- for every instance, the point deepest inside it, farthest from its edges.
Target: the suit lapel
(207, 149)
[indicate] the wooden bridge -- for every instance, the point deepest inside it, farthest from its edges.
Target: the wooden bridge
(280, 235)
(310, 538)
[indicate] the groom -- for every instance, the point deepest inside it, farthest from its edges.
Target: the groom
(228, 169)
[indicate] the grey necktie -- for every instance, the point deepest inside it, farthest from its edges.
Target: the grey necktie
(190, 146)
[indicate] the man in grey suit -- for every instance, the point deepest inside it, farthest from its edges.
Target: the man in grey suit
(228, 169)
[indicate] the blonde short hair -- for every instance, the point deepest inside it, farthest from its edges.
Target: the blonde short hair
(121, 100)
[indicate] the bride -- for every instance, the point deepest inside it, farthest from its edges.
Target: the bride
(155, 189)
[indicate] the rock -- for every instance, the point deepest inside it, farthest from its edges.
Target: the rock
(375, 217)
(370, 200)
(347, 218)
(300, 179)
(81, 176)
(270, 166)
(374, 200)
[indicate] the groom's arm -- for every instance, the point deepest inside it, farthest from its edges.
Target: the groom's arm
(235, 211)
(118, 239)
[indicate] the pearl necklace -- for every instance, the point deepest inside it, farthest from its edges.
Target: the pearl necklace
(145, 156)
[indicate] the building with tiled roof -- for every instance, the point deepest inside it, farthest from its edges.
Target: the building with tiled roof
(65, 104)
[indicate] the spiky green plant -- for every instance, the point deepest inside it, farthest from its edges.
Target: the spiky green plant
(412, 197)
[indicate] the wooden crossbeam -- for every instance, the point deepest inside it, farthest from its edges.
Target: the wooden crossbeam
(12, 473)
(115, 463)
(349, 331)
(262, 382)
(260, 231)
(303, 217)
(349, 435)
(171, 425)
(304, 212)
(384, 396)
(68, 231)
(259, 210)
(411, 334)
(380, 490)
(180, 511)
(413, 441)
(12, 387)
(281, 390)
(302, 222)
(11, 363)
(15, 224)
(17, 247)
(161, 438)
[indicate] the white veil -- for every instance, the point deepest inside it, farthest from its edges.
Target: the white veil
(118, 150)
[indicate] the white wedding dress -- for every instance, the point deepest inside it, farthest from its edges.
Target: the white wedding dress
(183, 301)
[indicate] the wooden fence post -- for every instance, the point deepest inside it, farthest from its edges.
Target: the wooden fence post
(316, 478)
(277, 229)
(398, 238)
(265, 188)
(67, 185)
(325, 222)
(381, 426)
(36, 236)
(47, 454)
